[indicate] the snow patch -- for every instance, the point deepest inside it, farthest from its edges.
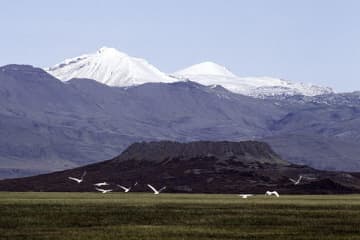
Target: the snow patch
(212, 74)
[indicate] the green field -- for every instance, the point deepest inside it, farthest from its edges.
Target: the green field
(176, 216)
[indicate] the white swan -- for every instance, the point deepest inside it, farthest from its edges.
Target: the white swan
(124, 188)
(78, 180)
(246, 195)
(156, 191)
(296, 182)
(101, 184)
(269, 193)
(103, 190)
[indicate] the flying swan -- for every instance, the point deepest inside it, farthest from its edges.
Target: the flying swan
(156, 191)
(245, 195)
(101, 184)
(78, 180)
(296, 182)
(269, 193)
(124, 188)
(103, 190)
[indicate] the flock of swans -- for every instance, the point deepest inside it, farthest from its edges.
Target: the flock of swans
(102, 184)
(275, 193)
(157, 192)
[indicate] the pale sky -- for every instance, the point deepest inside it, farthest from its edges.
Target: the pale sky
(309, 41)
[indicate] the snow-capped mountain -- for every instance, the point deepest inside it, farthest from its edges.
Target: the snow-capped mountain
(209, 73)
(114, 68)
(111, 67)
(206, 68)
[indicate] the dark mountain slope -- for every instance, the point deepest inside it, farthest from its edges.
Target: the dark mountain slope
(210, 167)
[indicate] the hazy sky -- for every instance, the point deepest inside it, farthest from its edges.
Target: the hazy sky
(315, 41)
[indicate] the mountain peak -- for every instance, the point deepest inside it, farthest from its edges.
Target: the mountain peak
(108, 51)
(206, 68)
(111, 67)
(19, 70)
(210, 73)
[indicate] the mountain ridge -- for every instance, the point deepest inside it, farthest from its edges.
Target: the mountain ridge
(159, 151)
(114, 68)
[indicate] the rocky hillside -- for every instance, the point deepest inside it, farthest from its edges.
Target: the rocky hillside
(159, 151)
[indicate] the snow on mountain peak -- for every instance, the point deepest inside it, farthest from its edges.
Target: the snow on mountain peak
(114, 68)
(206, 68)
(209, 73)
(111, 52)
(111, 67)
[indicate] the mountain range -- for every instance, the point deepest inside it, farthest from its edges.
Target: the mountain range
(114, 68)
(90, 108)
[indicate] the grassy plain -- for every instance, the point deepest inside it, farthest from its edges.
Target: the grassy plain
(91, 216)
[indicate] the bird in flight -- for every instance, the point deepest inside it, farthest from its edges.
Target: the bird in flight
(156, 191)
(124, 188)
(269, 193)
(245, 195)
(103, 190)
(101, 184)
(296, 182)
(78, 180)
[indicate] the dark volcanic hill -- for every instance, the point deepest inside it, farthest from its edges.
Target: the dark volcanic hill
(195, 167)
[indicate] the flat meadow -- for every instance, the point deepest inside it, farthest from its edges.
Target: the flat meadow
(90, 216)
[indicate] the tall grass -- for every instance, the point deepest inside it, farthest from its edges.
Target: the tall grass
(176, 216)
